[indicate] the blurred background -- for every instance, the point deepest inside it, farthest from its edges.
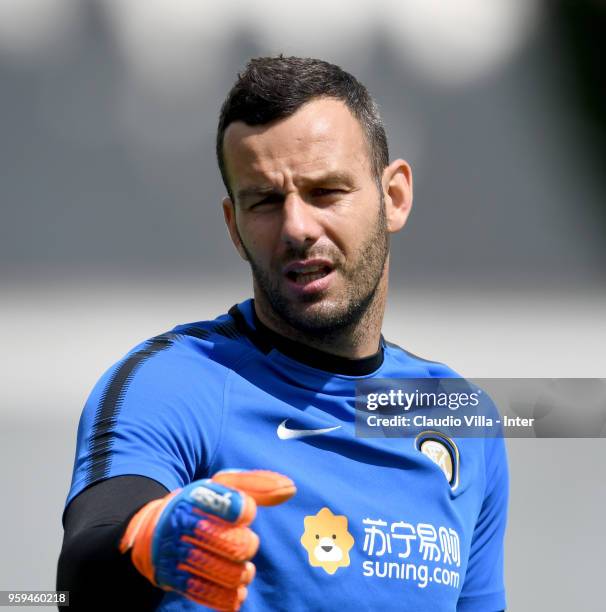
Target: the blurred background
(112, 232)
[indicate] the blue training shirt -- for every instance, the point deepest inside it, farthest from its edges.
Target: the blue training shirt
(375, 524)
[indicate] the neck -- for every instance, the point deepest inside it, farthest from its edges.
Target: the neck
(359, 339)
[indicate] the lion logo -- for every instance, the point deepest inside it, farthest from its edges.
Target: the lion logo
(327, 540)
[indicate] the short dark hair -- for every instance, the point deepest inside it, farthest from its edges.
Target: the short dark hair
(276, 87)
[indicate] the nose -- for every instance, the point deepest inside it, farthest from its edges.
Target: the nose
(326, 548)
(300, 223)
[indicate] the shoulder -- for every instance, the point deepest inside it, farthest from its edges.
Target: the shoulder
(192, 360)
(219, 341)
(166, 393)
(215, 345)
(408, 361)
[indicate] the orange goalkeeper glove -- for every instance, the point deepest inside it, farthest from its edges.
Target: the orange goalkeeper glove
(196, 540)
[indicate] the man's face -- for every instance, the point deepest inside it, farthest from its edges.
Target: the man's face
(307, 215)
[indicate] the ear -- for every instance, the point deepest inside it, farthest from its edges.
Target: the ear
(229, 214)
(397, 188)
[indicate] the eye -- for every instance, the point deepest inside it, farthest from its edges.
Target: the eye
(325, 191)
(317, 537)
(334, 537)
(273, 198)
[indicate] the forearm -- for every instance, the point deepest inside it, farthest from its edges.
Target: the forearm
(97, 576)
(91, 566)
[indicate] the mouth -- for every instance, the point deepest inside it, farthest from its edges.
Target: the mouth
(309, 276)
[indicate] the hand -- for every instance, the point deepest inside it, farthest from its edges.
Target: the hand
(196, 540)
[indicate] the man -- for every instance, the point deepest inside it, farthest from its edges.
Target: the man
(157, 518)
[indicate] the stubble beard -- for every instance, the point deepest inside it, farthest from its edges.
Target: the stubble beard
(362, 279)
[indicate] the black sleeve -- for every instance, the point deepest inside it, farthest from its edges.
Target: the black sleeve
(91, 566)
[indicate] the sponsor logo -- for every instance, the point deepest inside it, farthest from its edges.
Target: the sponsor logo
(419, 553)
(285, 433)
(327, 540)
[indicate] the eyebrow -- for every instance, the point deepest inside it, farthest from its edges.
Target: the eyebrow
(249, 192)
(328, 178)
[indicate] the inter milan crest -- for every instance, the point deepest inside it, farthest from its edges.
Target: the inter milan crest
(443, 452)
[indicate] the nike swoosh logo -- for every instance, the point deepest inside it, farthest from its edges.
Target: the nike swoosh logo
(284, 433)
